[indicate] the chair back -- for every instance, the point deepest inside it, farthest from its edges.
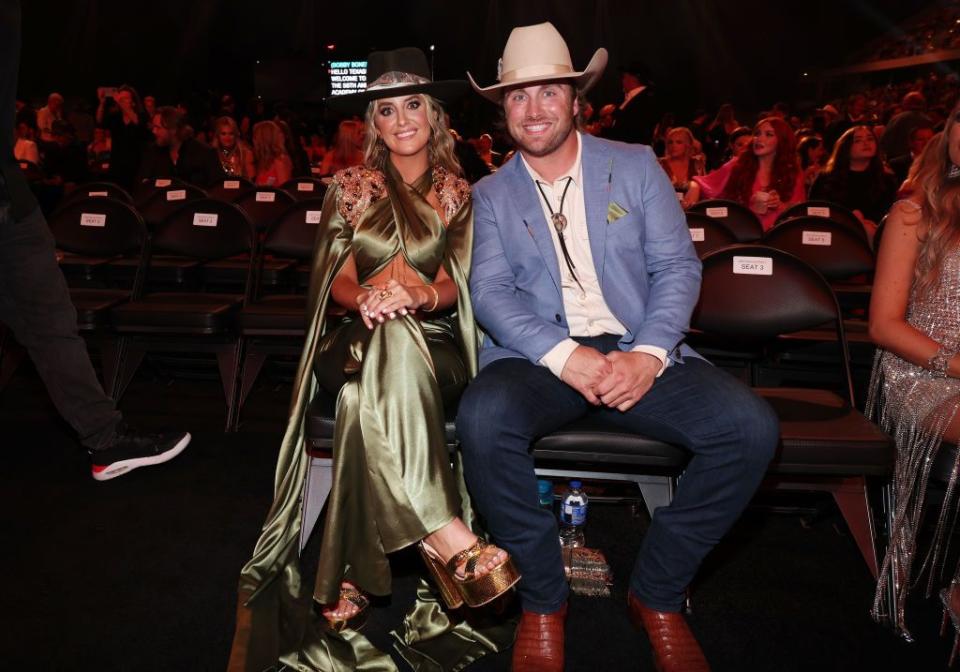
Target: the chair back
(147, 189)
(825, 209)
(230, 189)
(97, 190)
(264, 205)
(31, 171)
(98, 227)
(305, 188)
(294, 233)
(740, 219)
(707, 233)
(168, 200)
(831, 247)
(754, 293)
(205, 229)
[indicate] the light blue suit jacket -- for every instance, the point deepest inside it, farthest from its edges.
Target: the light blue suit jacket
(645, 261)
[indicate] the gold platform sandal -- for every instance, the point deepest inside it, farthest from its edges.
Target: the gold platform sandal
(358, 598)
(475, 590)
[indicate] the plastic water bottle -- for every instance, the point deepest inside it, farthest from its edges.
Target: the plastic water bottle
(573, 516)
(545, 494)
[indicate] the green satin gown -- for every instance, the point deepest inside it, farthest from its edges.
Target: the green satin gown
(392, 479)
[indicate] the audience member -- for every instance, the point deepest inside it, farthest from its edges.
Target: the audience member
(484, 147)
(316, 149)
(25, 147)
(739, 142)
(176, 154)
(767, 179)
(347, 148)
(48, 114)
(919, 137)
(637, 116)
(811, 152)
(123, 116)
(681, 163)
(855, 114)
(718, 135)
(149, 106)
(856, 178)
(294, 146)
(98, 151)
(273, 164)
(236, 157)
(896, 136)
(65, 159)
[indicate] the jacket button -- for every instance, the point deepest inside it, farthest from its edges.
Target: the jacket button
(557, 316)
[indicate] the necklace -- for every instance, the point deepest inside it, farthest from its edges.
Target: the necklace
(560, 223)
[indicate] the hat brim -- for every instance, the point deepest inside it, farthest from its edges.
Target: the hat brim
(446, 90)
(583, 80)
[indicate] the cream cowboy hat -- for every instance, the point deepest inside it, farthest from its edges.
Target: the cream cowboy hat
(536, 54)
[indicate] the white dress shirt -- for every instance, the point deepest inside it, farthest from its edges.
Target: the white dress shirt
(587, 311)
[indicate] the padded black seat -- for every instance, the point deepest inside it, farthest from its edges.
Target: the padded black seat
(821, 434)
(281, 312)
(177, 312)
(738, 218)
(93, 306)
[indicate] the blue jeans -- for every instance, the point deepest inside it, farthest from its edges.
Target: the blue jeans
(730, 431)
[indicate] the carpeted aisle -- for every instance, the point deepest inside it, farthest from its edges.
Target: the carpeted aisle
(139, 574)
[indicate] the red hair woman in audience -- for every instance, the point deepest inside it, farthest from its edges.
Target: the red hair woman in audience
(273, 164)
(235, 155)
(347, 150)
(767, 179)
(915, 388)
(682, 162)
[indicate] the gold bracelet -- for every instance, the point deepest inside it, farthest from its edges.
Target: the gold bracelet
(436, 299)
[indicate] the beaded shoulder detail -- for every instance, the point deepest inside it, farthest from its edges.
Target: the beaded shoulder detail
(359, 187)
(452, 191)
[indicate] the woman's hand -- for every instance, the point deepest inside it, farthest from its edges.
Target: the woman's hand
(390, 300)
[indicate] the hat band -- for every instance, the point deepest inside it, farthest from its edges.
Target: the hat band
(395, 79)
(536, 71)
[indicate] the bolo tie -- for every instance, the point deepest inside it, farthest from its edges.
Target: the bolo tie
(559, 221)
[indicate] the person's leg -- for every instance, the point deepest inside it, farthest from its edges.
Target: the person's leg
(35, 304)
(732, 434)
(508, 405)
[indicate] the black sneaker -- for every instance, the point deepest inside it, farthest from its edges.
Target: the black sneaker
(131, 449)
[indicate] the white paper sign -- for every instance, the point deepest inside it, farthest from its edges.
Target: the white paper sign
(313, 216)
(817, 238)
(231, 184)
(97, 194)
(24, 165)
(177, 195)
(814, 211)
(753, 266)
(305, 186)
(266, 197)
(717, 212)
(162, 183)
(93, 219)
(696, 235)
(205, 218)
(315, 170)
(105, 166)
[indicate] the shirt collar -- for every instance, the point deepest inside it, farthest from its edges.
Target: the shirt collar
(574, 172)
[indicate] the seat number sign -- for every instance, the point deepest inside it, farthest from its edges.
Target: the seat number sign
(205, 218)
(93, 219)
(717, 212)
(817, 238)
(753, 266)
(696, 235)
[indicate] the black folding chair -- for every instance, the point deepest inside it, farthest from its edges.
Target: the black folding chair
(190, 322)
(752, 294)
(230, 189)
(264, 205)
(305, 188)
(824, 210)
(707, 233)
(740, 219)
(97, 190)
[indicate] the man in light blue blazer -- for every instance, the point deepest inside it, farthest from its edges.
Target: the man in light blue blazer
(584, 278)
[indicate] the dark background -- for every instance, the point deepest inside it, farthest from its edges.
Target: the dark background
(704, 52)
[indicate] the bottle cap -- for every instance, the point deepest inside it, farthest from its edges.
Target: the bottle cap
(575, 485)
(544, 486)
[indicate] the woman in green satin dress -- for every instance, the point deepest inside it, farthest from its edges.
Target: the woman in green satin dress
(393, 251)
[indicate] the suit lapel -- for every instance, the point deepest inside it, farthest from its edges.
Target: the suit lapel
(524, 195)
(596, 166)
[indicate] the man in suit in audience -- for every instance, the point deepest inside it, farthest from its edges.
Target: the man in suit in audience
(35, 305)
(636, 118)
(919, 137)
(584, 279)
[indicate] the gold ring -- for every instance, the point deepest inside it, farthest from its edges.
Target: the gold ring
(386, 293)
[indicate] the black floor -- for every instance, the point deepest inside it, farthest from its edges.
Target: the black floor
(140, 573)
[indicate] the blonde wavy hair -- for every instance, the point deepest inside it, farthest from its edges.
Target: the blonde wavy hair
(440, 147)
(268, 144)
(939, 198)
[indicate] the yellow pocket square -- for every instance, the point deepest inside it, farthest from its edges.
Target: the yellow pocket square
(614, 212)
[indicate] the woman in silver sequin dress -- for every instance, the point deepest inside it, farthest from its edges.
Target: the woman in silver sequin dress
(915, 391)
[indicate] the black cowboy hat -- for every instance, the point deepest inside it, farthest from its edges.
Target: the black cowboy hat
(397, 73)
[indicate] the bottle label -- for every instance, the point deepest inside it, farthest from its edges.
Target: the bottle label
(574, 514)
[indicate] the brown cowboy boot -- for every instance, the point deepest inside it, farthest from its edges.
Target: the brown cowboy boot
(539, 643)
(675, 649)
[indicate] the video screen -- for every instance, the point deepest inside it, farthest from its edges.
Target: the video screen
(347, 77)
